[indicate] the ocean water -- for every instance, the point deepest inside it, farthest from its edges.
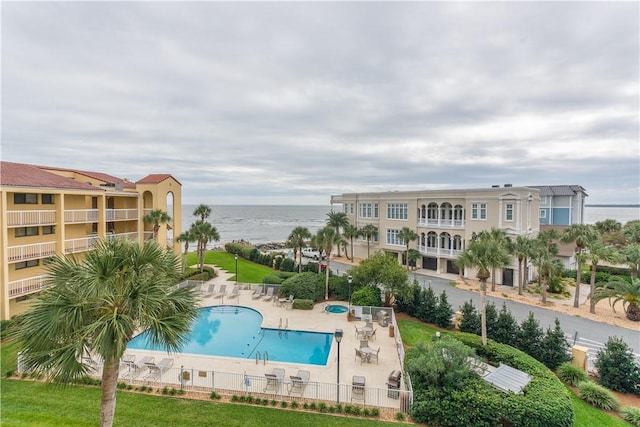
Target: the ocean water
(268, 224)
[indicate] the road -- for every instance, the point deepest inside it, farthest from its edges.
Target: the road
(586, 328)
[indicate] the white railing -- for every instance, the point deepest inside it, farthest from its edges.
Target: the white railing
(133, 235)
(26, 252)
(440, 252)
(25, 286)
(80, 245)
(81, 215)
(17, 218)
(447, 223)
(121, 214)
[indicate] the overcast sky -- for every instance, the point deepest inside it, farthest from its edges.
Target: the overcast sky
(289, 103)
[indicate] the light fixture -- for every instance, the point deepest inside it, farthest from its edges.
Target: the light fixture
(338, 336)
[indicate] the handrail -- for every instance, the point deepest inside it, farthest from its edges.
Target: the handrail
(265, 357)
(257, 356)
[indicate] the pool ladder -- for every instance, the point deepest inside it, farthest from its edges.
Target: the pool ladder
(265, 357)
(286, 324)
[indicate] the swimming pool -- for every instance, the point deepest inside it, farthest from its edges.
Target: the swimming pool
(236, 332)
(335, 308)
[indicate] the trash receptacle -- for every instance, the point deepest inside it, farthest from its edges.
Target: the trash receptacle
(391, 331)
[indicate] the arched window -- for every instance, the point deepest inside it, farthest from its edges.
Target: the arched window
(445, 241)
(445, 210)
(458, 213)
(432, 211)
(423, 239)
(432, 239)
(457, 242)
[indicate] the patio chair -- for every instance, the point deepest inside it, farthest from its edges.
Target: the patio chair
(141, 365)
(209, 290)
(235, 292)
(374, 355)
(364, 343)
(299, 382)
(257, 294)
(371, 335)
(221, 291)
(157, 369)
(358, 388)
(274, 380)
(269, 295)
(127, 361)
(360, 355)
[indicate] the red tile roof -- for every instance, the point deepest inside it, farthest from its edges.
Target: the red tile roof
(106, 178)
(155, 178)
(24, 175)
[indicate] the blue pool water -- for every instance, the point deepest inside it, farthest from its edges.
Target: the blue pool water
(236, 332)
(336, 309)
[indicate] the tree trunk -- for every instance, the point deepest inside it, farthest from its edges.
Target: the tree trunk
(326, 280)
(483, 312)
(521, 281)
(352, 257)
(493, 279)
(576, 299)
(592, 289)
(544, 290)
(525, 273)
(367, 248)
(110, 372)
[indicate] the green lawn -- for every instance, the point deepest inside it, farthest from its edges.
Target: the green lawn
(249, 272)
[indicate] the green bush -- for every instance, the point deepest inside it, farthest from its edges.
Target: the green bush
(631, 414)
(617, 367)
(571, 374)
(272, 279)
(554, 348)
(507, 327)
(444, 312)
(598, 396)
(426, 305)
(302, 304)
(288, 265)
(367, 296)
(304, 286)
(5, 327)
(470, 321)
(339, 287)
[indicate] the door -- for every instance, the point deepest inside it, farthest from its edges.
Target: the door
(430, 263)
(507, 277)
(452, 268)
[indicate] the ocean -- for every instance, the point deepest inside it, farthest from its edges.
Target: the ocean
(268, 224)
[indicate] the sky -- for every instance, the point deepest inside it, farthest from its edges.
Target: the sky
(292, 102)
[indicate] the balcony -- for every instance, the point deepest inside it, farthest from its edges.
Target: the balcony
(24, 218)
(26, 286)
(131, 235)
(440, 223)
(80, 245)
(28, 252)
(439, 252)
(81, 215)
(121, 214)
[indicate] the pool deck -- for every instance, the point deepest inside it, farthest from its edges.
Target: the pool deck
(316, 320)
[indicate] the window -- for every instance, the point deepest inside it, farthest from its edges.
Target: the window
(368, 210)
(48, 229)
(48, 199)
(25, 199)
(543, 213)
(27, 264)
(26, 231)
(478, 211)
(351, 208)
(509, 212)
(397, 211)
(345, 208)
(392, 237)
(543, 200)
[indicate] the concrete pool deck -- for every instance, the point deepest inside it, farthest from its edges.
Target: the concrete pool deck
(316, 320)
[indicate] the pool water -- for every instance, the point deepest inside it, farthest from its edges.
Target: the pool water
(236, 332)
(336, 309)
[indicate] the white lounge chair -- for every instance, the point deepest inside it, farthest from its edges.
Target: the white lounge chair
(157, 369)
(299, 382)
(221, 291)
(274, 380)
(257, 294)
(209, 290)
(269, 295)
(235, 292)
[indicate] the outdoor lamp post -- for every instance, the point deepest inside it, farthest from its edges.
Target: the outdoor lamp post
(350, 280)
(338, 336)
(236, 257)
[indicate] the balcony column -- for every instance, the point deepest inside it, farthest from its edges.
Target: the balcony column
(102, 216)
(60, 224)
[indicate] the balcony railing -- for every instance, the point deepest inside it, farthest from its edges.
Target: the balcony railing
(26, 286)
(131, 235)
(80, 245)
(27, 252)
(439, 252)
(81, 215)
(121, 214)
(441, 223)
(20, 218)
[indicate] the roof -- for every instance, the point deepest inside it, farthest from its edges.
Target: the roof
(24, 175)
(106, 178)
(559, 190)
(156, 178)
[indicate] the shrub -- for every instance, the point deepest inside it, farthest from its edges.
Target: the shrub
(554, 347)
(631, 414)
(368, 295)
(426, 306)
(507, 327)
(322, 407)
(215, 396)
(530, 337)
(294, 404)
(470, 321)
(302, 304)
(288, 265)
(444, 312)
(304, 286)
(571, 374)
(598, 396)
(339, 287)
(272, 279)
(399, 416)
(283, 404)
(617, 367)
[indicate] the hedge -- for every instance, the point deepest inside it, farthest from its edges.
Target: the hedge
(545, 403)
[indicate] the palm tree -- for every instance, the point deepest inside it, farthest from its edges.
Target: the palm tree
(204, 233)
(522, 249)
(156, 217)
(598, 251)
(95, 307)
(407, 235)
(631, 255)
(500, 237)
(186, 237)
(581, 235)
(350, 232)
(618, 289)
(369, 231)
(298, 238)
(325, 239)
(203, 211)
(337, 220)
(484, 254)
(544, 253)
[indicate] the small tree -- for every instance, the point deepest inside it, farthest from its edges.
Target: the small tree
(617, 367)
(492, 320)
(443, 312)
(507, 327)
(470, 320)
(530, 337)
(554, 347)
(367, 296)
(427, 307)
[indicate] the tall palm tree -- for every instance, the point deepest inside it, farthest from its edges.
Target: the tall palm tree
(369, 231)
(204, 233)
(522, 249)
(337, 220)
(350, 232)
(597, 252)
(186, 237)
(407, 236)
(156, 217)
(631, 255)
(203, 211)
(325, 239)
(500, 237)
(581, 235)
(95, 306)
(617, 290)
(298, 239)
(483, 254)
(545, 258)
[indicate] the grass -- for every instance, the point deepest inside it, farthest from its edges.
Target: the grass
(248, 272)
